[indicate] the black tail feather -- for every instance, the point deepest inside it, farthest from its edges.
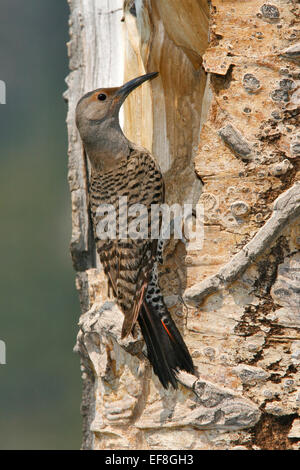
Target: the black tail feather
(166, 349)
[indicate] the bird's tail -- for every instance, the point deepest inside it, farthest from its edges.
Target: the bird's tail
(166, 349)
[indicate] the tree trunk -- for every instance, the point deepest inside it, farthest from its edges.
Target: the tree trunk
(223, 112)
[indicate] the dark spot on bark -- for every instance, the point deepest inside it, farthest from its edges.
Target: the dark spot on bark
(270, 12)
(133, 10)
(287, 84)
(280, 95)
(251, 83)
(271, 432)
(222, 82)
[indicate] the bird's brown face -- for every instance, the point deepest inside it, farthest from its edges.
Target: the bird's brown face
(105, 103)
(97, 104)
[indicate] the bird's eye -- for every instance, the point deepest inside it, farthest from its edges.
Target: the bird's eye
(101, 97)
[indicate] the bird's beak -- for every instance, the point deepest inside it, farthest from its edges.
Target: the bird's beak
(128, 87)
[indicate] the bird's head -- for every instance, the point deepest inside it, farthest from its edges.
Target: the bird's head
(97, 119)
(104, 104)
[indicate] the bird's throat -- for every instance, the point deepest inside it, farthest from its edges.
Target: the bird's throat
(107, 146)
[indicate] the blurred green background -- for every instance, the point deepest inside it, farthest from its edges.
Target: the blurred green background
(40, 384)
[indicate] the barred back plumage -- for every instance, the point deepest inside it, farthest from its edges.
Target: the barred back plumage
(127, 262)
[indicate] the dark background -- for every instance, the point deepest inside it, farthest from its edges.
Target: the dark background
(40, 384)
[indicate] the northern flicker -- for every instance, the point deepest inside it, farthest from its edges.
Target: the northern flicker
(121, 169)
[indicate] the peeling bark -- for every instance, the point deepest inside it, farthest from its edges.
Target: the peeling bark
(286, 209)
(224, 111)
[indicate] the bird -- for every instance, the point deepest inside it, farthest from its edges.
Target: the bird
(123, 170)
